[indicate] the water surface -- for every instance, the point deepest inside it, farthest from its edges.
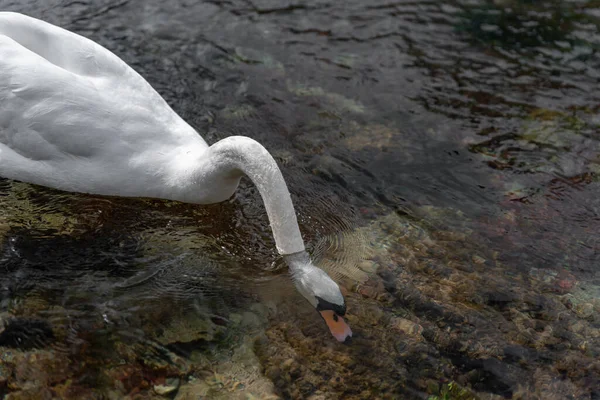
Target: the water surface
(443, 158)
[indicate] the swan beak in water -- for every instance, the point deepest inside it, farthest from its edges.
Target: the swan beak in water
(336, 324)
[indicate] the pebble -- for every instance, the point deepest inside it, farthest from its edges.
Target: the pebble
(193, 390)
(250, 320)
(287, 363)
(368, 266)
(478, 260)
(171, 385)
(235, 318)
(585, 310)
(578, 327)
(406, 326)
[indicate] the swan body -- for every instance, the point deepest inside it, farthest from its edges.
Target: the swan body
(75, 117)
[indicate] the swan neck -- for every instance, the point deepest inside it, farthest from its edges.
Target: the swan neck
(249, 157)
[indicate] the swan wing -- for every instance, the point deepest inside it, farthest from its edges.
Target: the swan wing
(60, 47)
(68, 105)
(47, 113)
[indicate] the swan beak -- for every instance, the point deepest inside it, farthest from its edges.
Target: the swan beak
(336, 324)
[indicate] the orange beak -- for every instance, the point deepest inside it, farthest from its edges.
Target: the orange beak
(336, 324)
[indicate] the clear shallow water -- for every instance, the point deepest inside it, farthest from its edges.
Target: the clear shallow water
(443, 159)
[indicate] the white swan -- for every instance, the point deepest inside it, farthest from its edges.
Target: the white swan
(74, 116)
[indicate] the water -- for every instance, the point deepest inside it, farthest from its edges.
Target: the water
(443, 159)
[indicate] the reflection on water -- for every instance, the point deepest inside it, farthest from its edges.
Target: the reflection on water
(443, 159)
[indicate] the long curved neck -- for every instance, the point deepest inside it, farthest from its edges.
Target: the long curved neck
(236, 155)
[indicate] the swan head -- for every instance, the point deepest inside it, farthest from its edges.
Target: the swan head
(321, 292)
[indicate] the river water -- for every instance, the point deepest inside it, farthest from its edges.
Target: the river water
(444, 161)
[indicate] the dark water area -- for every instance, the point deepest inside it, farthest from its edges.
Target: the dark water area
(444, 162)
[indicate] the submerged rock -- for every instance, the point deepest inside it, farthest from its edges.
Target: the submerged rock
(170, 386)
(335, 100)
(471, 310)
(427, 306)
(230, 376)
(406, 327)
(187, 329)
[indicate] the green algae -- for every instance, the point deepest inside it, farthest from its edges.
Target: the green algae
(241, 112)
(20, 209)
(548, 142)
